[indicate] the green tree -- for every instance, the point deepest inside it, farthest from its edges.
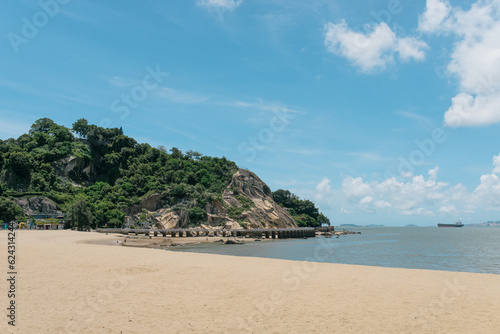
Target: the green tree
(197, 215)
(9, 210)
(81, 127)
(304, 212)
(323, 220)
(176, 153)
(304, 220)
(80, 215)
(42, 125)
(20, 163)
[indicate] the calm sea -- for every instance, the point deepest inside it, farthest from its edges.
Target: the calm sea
(464, 249)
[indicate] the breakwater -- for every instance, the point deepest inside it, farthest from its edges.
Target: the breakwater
(280, 233)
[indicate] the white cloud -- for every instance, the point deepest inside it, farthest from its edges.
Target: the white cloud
(366, 200)
(382, 204)
(365, 204)
(449, 209)
(405, 197)
(418, 196)
(221, 4)
(434, 16)
(487, 194)
(433, 173)
(373, 50)
(355, 187)
(474, 59)
(323, 189)
(418, 212)
(496, 164)
(411, 48)
(469, 110)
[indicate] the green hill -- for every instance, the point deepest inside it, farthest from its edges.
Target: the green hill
(109, 176)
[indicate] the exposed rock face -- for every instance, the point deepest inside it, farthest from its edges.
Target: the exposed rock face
(36, 204)
(217, 214)
(151, 203)
(265, 213)
(261, 210)
(65, 166)
(172, 219)
(232, 225)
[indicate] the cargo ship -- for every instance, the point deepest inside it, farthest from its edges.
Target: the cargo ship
(457, 224)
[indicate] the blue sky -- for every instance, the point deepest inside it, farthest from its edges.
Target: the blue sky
(381, 112)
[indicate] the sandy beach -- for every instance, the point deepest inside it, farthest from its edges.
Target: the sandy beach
(69, 283)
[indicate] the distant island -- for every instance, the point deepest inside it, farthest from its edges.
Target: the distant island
(411, 225)
(354, 225)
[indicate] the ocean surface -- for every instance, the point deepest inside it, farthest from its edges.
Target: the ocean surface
(467, 249)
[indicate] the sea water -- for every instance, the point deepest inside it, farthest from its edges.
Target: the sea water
(467, 249)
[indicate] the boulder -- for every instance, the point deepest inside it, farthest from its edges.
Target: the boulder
(37, 204)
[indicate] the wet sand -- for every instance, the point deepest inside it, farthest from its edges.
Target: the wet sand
(75, 282)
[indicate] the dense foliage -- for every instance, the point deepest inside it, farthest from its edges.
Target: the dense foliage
(304, 212)
(96, 175)
(79, 214)
(111, 172)
(8, 210)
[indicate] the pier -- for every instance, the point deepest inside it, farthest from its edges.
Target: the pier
(279, 233)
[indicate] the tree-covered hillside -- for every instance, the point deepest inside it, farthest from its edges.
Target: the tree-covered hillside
(304, 212)
(111, 171)
(104, 173)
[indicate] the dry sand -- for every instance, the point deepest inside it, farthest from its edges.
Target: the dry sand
(66, 285)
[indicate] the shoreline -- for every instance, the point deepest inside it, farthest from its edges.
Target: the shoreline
(153, 242)
(160, 242)
(70, 285)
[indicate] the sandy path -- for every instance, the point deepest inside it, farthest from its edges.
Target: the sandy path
(66, 286)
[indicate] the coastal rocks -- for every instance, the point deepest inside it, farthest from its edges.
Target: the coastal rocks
(250, 184)
(216, 220)
(262, 211)
(36, 204)
(234, 242)
(247, 202)
(168, 219)
(216, 213)
(232, 225)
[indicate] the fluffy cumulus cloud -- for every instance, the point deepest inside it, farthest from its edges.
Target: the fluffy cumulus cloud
(487, 194)
(435, 14)
(496, 164)
(474, 59)
(373, 50)
(323, 189)
(419, 196)
(221, 4)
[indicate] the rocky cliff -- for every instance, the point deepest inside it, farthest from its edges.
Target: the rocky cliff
(37, 204)
(246, 203)
(264, 212)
